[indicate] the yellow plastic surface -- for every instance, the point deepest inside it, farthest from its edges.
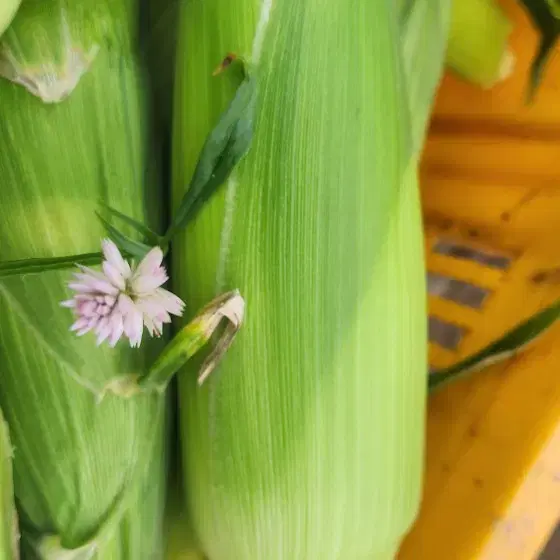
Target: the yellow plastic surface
(491, 181)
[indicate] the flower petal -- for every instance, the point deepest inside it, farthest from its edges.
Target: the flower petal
(151, 308)
(87, 272)
(150, 326)
(150, 263)
(170, 302)
(114, 275)
(94, 285)
(87, 308)
(117, 328)
(147, 283)
(133, 326)
(105, 287)
(132, 320)
(113, 255)
(80, 324)
(103, 330)
(81, 288)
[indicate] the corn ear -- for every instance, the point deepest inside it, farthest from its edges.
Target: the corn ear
(73, 134)
(307, 441)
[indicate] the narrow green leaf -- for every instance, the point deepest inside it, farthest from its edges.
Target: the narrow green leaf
(150, 236)
(225, 146)
(544, 14)
(36, 266)
(127, 245)
(510, 344)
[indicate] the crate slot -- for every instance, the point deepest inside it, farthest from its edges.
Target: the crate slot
(467, 271)
(548, 276)
(445, 334)
(466, 252)
(457, 291)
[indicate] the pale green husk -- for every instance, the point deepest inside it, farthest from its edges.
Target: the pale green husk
(478, 41)
(8, 9)
(73, 133)
(9, 535)
(424, 31)
(307, 442)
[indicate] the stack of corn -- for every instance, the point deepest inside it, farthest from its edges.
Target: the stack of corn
(307, 442)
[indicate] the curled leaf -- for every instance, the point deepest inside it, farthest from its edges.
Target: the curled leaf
(194, 336)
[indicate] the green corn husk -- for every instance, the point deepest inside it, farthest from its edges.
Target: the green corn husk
(73, 133)
(307, 441)
(8, 9)
(9, 534)
(478, 42)
(424, 32)
(139, 533)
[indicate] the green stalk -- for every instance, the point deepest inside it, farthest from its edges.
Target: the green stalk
(73, 134)
(307, 441)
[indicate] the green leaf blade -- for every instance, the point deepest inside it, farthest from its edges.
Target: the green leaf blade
(225, 146)
(37, 266)
(547, 23)
(499, 350)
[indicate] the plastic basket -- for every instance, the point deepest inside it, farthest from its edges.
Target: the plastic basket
(491, 196)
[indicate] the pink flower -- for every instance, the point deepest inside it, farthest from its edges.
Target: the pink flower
(122, 299)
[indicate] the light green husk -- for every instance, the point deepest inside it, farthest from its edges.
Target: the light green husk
(73, 133)
(424, 32)
(478, 42)
(9, 535)
(8, 9)
(307, 442)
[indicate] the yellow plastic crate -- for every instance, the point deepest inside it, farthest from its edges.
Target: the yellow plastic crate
(491, 195)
